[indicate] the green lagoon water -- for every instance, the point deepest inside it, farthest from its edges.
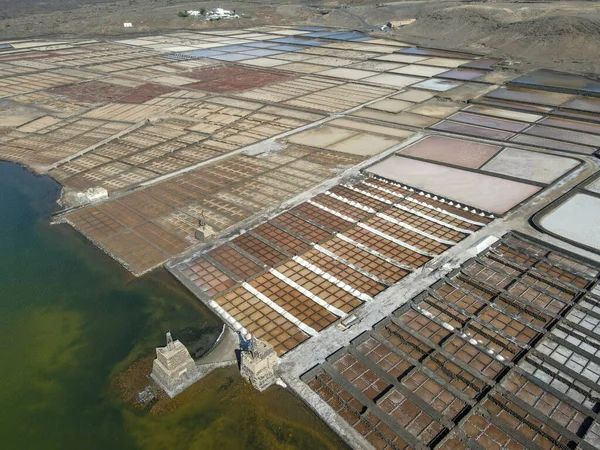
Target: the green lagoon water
(71, 318)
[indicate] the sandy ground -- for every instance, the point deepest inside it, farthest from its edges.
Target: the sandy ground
(563, 35)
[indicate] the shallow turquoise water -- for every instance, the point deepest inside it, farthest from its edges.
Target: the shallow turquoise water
(70, 318)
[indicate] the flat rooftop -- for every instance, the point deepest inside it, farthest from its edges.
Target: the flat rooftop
(414, 230)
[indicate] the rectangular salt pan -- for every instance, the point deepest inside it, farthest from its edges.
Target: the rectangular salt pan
(489, 122)
(462, 74)
(532, 166)
(432, 52)
(576, 137)
(529, 96)
(489, 193)
(472, 130)
(561, 82)
(584, 104)
(577, 219)
(458, 152)
(553, 144)
(481, 64)
(594, 186)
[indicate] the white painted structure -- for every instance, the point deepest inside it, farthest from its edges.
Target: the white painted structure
(220, 13)
(92, 195)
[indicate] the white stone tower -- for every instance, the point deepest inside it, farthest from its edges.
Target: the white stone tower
(174, 369)
(259, 365)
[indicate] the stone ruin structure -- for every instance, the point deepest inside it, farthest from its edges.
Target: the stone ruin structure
(91, 195)
(204, 231)
(259, 364)
(174, 370)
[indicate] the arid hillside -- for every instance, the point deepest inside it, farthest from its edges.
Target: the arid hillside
(562, 35)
